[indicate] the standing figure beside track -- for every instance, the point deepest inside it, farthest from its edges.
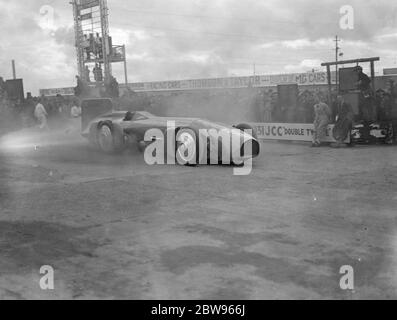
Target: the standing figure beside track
(322, 118)
(41, 115)
(75, 111)
(364, 82)
(344, 122)
(267, 108)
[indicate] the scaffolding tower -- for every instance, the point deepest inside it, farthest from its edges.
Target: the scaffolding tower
(94, 48)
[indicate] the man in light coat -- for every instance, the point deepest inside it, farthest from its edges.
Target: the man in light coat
(322, 119)
(41, 115)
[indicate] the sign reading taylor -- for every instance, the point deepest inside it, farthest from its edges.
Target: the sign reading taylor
(302, 79)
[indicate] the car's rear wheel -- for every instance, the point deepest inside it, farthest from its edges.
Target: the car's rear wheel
(246, 127)
(109, 139)
(187, 151)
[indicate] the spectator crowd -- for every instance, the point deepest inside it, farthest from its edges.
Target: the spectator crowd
(226, 105)
(35, 111)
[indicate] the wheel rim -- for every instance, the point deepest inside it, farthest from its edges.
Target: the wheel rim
(186, 147)
(106, 139)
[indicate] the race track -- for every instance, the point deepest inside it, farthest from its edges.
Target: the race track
(114, 227)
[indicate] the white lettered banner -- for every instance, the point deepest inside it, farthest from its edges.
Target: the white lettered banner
(289, 131)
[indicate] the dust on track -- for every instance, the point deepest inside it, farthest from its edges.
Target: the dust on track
(113, 227)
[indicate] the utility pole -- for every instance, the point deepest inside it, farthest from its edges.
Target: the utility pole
(337, 48)
(104, 12)
(125, 65)
(14, 73)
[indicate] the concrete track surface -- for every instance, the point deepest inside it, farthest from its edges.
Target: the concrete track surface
(113, 227)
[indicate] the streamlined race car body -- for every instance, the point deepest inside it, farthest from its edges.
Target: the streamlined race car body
(191, 140)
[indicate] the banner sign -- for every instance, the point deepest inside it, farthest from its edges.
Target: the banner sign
(302, 79)
(86, 4)
(56, 91)
(290, 132)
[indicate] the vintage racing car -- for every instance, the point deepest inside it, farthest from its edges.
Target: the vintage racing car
(113, 131)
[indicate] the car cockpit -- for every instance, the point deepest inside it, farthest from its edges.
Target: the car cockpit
(128, 116)
(134, 116)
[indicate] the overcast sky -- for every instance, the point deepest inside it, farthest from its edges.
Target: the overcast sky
(186, 39)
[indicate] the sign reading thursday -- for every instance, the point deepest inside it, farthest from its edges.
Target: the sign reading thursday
(289, 131)
(302, 79)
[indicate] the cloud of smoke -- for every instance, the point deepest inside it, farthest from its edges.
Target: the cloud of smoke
(228, 106)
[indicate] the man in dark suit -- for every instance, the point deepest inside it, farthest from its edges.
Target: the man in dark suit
(344, 122)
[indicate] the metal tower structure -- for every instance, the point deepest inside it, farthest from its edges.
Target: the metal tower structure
(94, 48)
(106, 46)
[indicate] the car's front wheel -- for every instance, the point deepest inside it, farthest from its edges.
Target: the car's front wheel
(187, 151)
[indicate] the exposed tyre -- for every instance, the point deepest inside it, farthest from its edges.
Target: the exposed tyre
(244, 127)
(110, 139)
(187, 149)
(93, 138)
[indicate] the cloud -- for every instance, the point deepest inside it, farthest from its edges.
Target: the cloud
(304, 66)
(178, 39)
